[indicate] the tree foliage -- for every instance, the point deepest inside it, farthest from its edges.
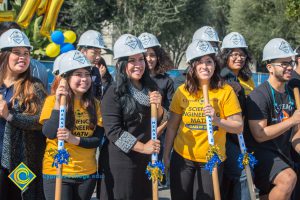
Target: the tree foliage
(293, 9)
(81, 15)
(260, 21)
(173, 21)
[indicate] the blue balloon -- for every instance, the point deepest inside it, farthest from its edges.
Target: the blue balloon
(66, 47)
(58, 37)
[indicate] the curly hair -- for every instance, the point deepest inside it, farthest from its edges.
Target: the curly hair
(192, 82)
(164, 62)
(122, 86)
(245, 73)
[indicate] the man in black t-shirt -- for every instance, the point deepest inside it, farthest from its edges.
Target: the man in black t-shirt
(272, 116)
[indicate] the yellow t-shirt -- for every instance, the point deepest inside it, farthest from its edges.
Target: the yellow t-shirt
(247, 85)
(82, 160)
(191, 140)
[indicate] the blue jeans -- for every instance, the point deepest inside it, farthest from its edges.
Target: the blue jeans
(234, 185)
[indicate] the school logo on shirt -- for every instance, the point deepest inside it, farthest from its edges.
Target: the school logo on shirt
(22, 176)
(17, 37)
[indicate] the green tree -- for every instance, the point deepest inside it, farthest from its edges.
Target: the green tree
(293, 9)
(260, 21)
(173, 21)
(81, 15)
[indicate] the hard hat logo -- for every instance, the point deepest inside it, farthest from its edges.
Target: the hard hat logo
(17, 37)
(100, 40)
(236, 39)
(79, 58)
(131, 42)
(285, 47)
(202, 46)
(210, 32)
(145, 39)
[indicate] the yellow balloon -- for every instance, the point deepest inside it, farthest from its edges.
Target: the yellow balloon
(70, 37)
(42, 7)
(7, 16)
(50, 19)
(27, 12)
(52, 50)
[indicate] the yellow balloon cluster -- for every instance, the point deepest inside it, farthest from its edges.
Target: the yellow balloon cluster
(60, 43)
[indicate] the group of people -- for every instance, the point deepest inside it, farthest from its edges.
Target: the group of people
(113, 114)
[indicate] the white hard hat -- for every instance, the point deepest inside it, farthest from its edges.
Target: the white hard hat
(206, 33)
(149, 40)
(199, 48)
(127, 45)
(277, 48)
(72, 60)
(234, 40)
(14, 38)
(91, 38)
(56, 64)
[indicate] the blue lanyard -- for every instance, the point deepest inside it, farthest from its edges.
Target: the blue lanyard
(291, 102)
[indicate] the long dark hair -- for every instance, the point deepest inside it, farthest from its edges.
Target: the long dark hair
(107, 76)
(23, 88)
(88, 102)
(164, 62)
(245, 73)
(123, 83)
(192, 83)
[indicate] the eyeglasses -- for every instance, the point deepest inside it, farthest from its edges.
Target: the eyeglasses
(284, 64)
(236, 55)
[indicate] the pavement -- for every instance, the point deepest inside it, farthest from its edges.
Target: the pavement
(163, 193)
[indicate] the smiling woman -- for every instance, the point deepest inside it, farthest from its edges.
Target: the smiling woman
(187, 127)
(20, 108)
(126, 119)
(83, 132)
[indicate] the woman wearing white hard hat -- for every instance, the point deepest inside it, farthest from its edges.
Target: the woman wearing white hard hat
(187, 124)
(21, 139)
(209, 34)
(235, 63)
(126, 119)
(159, 63)
(83, 132)
(273, 121)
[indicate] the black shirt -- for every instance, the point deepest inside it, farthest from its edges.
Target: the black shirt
(295, 75)
(262, 105)
(166, 87)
